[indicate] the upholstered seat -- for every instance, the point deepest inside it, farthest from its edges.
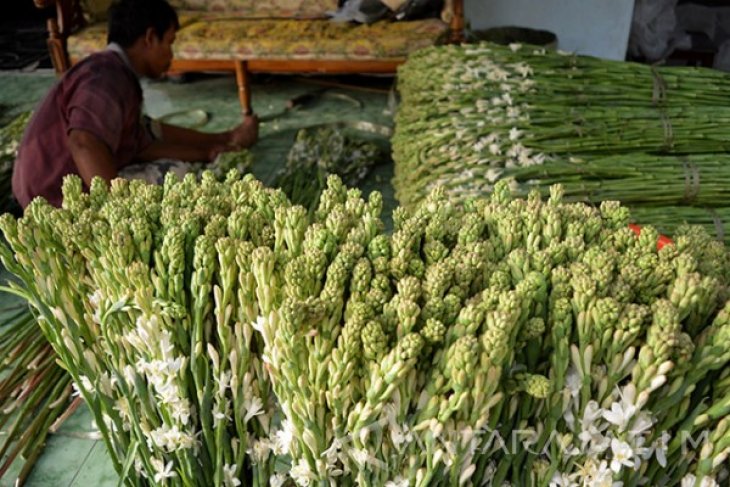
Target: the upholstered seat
(249, 36)
(224, 38)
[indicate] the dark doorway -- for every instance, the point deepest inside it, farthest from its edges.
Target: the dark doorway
(23, 36)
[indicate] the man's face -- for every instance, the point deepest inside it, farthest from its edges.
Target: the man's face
(160, 53)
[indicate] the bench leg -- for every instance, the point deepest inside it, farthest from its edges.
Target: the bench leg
(244, 87)
(56, 48)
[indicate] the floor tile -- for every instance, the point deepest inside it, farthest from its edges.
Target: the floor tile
(60, 462)
(80, 422)
(97, 470)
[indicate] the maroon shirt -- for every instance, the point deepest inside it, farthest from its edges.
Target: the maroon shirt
(101, 95)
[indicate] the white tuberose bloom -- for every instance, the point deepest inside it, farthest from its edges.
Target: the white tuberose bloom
(620, 414)
(661, 446)
(163, 470)
(254, 406)
(301, 473)
(515, 133)
(259, 451)
(397, 482)
(229, 476)
(277, 480)
(623, 455)
(259, 325)
(562, 480)
(690, 480)
(170, 439)
(281, 439)
(602, 476)
(95, 299)
(86, 383)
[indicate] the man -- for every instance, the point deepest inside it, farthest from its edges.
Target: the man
(91, 123)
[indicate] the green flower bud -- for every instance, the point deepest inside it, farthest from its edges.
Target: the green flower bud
(381, 265)
(375, 204)
(534, 328)
(648, 238)
(556, 194)
(361, 276)
(416, 268)
(470, 318)
(463, 356)
(438, 279)
(379, 247)
(410, 346)
(615, 215)
(434, 308)
(435, 251)
(537, 386)
(407, 312)
(216, 227)
(433, 332)
(409, 288)
(501, 193)
(501, 278)
(471, 228)
(374, 341)
(452, 307)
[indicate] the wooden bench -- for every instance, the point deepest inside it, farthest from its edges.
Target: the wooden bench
(251, 36)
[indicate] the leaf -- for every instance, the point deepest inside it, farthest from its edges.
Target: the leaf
(128, 461)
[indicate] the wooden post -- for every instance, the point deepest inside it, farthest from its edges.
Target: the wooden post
(56, 48)
(244, 87)
(457, 22)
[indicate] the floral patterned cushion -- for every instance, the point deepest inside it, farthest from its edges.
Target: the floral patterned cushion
(226, 38)
(89, 40)
(95, 10)
(93, 37)
(261, 9)
(313, 39)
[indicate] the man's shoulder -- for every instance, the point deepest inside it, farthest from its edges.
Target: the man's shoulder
(104, 67)
(107, 60)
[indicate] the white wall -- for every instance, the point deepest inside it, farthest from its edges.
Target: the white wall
(595, 27)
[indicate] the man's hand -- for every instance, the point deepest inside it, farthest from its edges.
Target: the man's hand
(246, 134)
(217, 150)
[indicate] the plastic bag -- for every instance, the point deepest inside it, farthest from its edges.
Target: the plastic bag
(362, 11)
(369, 11)
(419, 9)
(652, 29)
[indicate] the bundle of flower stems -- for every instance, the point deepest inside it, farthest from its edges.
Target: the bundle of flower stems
(34, 390)
(472, 114)
(10, 136)
(316, 154)
(702, 180)
(664, 191)
(223, 336)
(669, 219)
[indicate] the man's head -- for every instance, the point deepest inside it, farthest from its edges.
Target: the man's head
(146, 30)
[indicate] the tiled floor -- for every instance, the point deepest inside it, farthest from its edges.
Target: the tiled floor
(71, 458)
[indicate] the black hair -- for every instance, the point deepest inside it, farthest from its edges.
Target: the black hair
(130, 19)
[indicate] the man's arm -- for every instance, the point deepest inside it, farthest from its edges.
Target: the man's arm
(183, 136)
(91, 156)
(163, 149)
(244, 135)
